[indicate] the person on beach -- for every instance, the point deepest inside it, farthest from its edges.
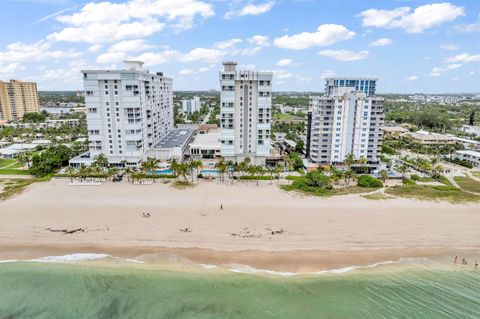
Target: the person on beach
(455, 260)
(221, 206)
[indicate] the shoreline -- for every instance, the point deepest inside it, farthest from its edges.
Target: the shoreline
(296, 261)
(309, 233)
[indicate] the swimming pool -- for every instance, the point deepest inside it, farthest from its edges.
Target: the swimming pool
(162, 172)
(210, 172)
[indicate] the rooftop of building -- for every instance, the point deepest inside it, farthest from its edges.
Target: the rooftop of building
(350, 78)
(178, 137)
(425, 135)
(211, 139)
(469, 152)
(130, 67)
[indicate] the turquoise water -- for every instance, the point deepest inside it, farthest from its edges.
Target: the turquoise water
(93, 290)
(210, 172)
(163, 172)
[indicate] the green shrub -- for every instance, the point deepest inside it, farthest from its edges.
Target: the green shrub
(256, 178)
(409, 181)
(369, 181)
(318, 179)
(415, 177)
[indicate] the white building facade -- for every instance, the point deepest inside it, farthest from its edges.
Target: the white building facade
(347, 119)
(472, 157)
(245, 116)
(128, 112)
(191, 105)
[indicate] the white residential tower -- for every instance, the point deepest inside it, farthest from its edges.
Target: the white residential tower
(128, 112)
(347, 119)
(245, 101)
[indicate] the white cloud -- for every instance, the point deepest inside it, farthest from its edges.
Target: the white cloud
(111, 57)
(107, 22)
(284, 62)
(327, 74)
(325, 35)
(247, 67)
(280, 77)
(416, 21)
(259, 40)
(186, 72)
(381, 42)
(130, 46)
(449, 47)
(197, 54)
(250, 9)
(227, 44)
(94, 48)
(344, 55)
(10, 69)
(412, 78)
(463, 58)
(34, 52)
(202, 54)
(437, 71)
(248, 52)
(468, 28)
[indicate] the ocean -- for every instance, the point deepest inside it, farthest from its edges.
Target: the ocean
(99, 286)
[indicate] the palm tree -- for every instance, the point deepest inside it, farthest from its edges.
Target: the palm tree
(349, 160)
(174, 166)
(242, 167)
(84, 171)
(221, 165)
(402, 169)
(336, 175)
(438, 169)
(277, 170)
(383, 175)
(111, 172)
(70, 171)
(182, 170)
(100, 161)
(349, 175)
(128, 171)
(149, 165)
(260, 170)
(327, 169)
(230, 167)
(288, 162)
(362, 160)
(195, 164)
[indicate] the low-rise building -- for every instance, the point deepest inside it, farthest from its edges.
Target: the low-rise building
(471, 129)
(206, 144)
(47, 124)
(428, 138)
(394, 131)
(472, 157)
(16, 149)
(174, 145)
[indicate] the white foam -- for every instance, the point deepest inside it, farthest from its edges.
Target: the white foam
(244, 269)
(71, 258)
(208, 267)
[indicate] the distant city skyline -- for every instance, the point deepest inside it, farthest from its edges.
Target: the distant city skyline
(412, 46)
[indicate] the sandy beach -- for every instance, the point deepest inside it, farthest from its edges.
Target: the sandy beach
(309, 233)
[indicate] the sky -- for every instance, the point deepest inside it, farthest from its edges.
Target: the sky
(410, 45)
